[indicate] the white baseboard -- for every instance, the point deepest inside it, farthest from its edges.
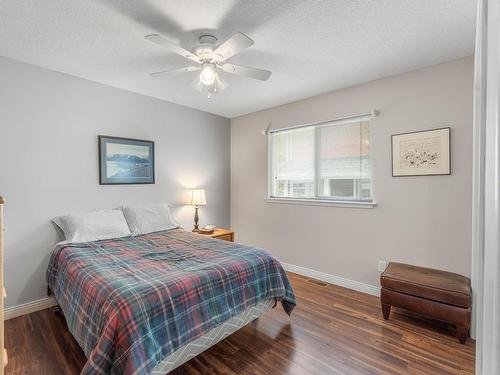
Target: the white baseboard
(29, 307)
(332, 279)
(45, 303)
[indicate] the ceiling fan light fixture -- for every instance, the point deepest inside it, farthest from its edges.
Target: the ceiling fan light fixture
(208, 74)
(211, 61)
(197, 85)
(220, 84)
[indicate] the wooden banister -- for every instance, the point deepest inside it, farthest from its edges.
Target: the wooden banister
(2, 201)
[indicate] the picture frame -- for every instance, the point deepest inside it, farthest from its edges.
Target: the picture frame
(421, 153)
(125, 161)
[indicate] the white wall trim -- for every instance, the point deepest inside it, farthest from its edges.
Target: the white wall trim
(321, 202)
(488, 339)
(29, 307)
(478, 165)
(333, 279)
(47, 302)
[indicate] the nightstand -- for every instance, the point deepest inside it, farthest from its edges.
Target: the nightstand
(222, 234)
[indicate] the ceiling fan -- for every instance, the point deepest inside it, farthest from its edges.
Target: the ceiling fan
(211, 60)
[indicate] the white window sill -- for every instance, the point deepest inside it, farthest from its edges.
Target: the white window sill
(321, 202)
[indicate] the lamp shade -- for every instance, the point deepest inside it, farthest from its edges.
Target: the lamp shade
(197, 197)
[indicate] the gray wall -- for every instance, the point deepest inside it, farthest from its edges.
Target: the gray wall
(49, 124)
(420, 220)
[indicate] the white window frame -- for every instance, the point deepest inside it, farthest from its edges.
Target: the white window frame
(319, 201)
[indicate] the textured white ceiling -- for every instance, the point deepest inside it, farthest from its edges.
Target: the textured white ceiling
(312, 46)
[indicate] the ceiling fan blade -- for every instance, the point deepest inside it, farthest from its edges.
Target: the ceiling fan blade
(234, 45)
(175, 71)
(157, 39)
(255, 73)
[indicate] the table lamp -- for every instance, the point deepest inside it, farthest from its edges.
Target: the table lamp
(196, 199)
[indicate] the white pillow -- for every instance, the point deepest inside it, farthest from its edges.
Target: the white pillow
(147, 219)
(92, 226)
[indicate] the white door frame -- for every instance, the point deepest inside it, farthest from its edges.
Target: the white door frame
(486, 190)
(479, 130)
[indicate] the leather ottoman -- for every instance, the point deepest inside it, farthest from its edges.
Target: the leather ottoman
(441, 295)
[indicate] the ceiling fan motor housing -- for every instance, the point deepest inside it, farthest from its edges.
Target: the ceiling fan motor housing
(207, 39)
(206, 48)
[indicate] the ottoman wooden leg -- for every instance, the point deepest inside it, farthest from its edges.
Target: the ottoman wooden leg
(462, 333)
(386, 310)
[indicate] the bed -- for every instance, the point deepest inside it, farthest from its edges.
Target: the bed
(146, 304)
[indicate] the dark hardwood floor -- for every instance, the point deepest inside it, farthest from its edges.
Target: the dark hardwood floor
(333, 330)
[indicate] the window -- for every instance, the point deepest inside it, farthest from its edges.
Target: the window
(327, 161)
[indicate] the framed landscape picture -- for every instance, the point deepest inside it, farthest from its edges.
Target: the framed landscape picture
(126, 161)
(422, 153)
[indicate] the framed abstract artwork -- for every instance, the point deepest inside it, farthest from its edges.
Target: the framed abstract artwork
(421, 153)
(126, 161)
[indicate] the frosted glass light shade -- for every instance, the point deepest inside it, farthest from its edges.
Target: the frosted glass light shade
(207, 75)
(197, 197)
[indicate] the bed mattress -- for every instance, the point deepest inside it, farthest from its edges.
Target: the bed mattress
(132, 302)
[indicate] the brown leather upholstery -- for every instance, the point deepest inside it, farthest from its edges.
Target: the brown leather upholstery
(439, 311)
(441, 295)
(435, 285)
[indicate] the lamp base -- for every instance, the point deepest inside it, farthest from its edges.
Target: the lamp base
(196, 229)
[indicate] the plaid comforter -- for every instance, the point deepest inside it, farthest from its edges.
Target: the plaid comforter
(132, 301)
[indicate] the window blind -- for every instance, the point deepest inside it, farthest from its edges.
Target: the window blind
(327, 161)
